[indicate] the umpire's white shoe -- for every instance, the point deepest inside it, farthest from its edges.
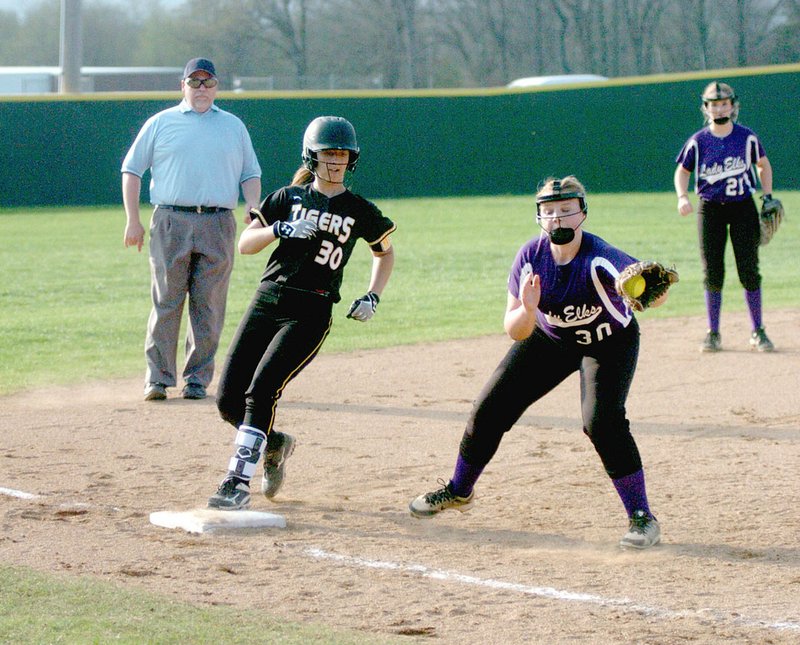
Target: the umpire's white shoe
(643, 532)
(275, 463)
(430, 504)
(233, 494)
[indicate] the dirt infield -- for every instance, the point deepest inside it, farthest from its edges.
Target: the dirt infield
(536, 560)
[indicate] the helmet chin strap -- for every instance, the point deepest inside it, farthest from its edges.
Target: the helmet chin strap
(330, 181)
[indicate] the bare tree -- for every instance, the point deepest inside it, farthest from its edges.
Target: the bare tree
(383, 37)
(421, 43)
(741, 29)
(404, 12)
(563, 28)
(578, 17)
(765, 19)
(499, 16)
(285, 22)
(461, 27)
(536, 36)
(611, 28)
(782, 43)
(701, 24)
(643, 22)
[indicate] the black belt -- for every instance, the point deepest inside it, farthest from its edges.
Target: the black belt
(195, 209)
(279, 286)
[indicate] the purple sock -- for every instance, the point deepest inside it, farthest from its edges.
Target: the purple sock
(632, 492)
(713, 307)
(464, 477)
(753, 300)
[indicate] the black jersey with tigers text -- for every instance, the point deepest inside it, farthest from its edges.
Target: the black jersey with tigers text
(317, 264)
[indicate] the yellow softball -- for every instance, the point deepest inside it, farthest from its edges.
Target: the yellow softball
(635, 286)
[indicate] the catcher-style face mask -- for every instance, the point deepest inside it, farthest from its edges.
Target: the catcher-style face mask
(559, 235)
(714, 94)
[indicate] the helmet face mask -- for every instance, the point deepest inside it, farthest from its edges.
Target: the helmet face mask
(717, 91)
(558, 194)
(560, 235)
(329, 133)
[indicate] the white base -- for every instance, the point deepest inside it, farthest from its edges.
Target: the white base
(207, 521)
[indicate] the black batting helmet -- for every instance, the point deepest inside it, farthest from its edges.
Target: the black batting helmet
(329, 133)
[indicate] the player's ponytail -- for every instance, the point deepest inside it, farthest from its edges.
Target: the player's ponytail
(302, 176)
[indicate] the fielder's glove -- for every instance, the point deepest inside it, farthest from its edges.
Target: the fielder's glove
(301, 229)
(770, 218)
(364, 307)
(642, 283)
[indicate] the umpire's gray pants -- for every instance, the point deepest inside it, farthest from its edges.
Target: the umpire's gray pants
(190, 254)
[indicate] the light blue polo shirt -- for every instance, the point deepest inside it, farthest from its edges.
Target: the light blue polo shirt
(194, 159)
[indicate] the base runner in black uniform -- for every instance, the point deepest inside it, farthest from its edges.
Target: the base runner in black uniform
(317, 221)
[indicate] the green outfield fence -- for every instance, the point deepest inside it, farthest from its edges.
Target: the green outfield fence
(619, 135)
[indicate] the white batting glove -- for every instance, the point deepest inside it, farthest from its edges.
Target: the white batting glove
(364, 307)
(301, 229)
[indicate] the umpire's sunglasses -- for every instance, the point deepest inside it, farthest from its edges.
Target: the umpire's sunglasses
(194, 83)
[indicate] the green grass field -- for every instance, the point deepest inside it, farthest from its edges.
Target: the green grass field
(40, 608)
(75, 302)
(75, 306)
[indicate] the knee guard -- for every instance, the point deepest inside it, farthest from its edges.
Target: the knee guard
(250, 444)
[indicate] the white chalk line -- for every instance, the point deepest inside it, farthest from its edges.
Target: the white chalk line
(623, 604)
(21, 494)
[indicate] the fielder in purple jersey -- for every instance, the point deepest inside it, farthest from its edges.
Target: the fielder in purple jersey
(565, 316)
(727, 160)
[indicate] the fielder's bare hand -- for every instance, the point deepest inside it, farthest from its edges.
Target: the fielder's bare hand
(684, 205)
(530, 292)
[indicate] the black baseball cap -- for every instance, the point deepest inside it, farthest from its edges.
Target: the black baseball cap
(199, 65)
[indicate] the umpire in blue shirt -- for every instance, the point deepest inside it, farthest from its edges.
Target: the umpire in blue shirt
(198, 157)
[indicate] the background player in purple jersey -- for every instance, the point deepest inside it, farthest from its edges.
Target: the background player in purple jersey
(727, 159)
(318, 221)
(565, 316)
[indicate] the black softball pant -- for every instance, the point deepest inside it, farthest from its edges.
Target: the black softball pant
(281, 332)
(714, 220)
(535, 366)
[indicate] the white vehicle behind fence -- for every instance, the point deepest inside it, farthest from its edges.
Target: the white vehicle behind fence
(563, 79)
